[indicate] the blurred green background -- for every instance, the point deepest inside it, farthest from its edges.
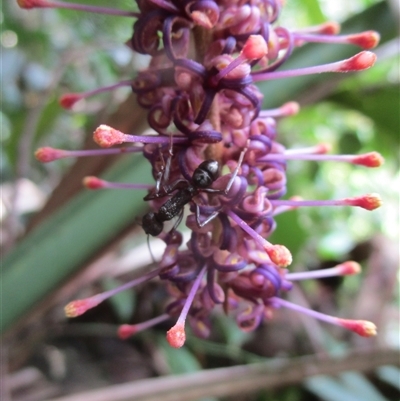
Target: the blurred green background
(60, 241)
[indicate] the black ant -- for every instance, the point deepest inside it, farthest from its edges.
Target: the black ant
(204, 175)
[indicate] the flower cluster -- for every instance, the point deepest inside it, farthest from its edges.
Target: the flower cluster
(214, 148)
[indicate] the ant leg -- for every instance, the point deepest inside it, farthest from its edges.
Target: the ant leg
(178, 221)
(167, 166)
(148, 246)
(180, 183)
(159, 179)
(231, 180)
(236, 171)
(162, 188)
(201, 224)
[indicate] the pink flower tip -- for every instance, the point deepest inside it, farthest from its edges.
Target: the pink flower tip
(92, 182)
(323, 148)
(363, 328)
(290, 108)
(31, 3)
(371, 159)
(255, 47)
(368, 202)
(126, 330)
(279, 255)
(106, 136)
(68, 100)
(296, 198)
(79, 307)
(176, 336)
(360, 61)
(329, 28)
(204, 19)
(349, 268)
(47, 154)
(366, 40)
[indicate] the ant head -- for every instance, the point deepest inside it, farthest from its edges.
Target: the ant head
(205, 174)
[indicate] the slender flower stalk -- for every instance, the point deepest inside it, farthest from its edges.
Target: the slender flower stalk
(47, 154)
(127, 330)
(68, 100)
(97, 183)
(80, 306)
(344, 269)
(361, 327)
(212, 147)
(359, 62)
(74, 6)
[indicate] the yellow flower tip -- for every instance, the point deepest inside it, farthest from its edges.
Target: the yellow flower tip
(176, 336)
(80, 306)
(370, 201)
(372, 159)
(47, 154)
(92, 182)
(106, 136)
(126, 330)
(75, 308)
(363, 328)
(366, 40)
(280, 255)
(350, 268)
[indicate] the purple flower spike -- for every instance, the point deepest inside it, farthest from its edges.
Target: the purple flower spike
(213, 148)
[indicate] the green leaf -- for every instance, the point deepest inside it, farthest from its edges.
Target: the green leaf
(380, 103)
(179, 360)
(313, 10)
(357, 383)
(329, 389)
(390, 375)
(54, 251)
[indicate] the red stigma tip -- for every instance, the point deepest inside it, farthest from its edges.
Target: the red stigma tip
(176, 336)
(372, 159)
(126, 330)
(255, 47)
(93, 182)
(366, 40)
(280, 255)
(323, 148)
(80, 306)
(47, 154)
(350, 268)
(290, 108)
(360, 61)
(106, 136)
(68, 100)
(296, 198)
(31, 3)
(368, 202)
(363, 328)
(330, 28)
(76, 308)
